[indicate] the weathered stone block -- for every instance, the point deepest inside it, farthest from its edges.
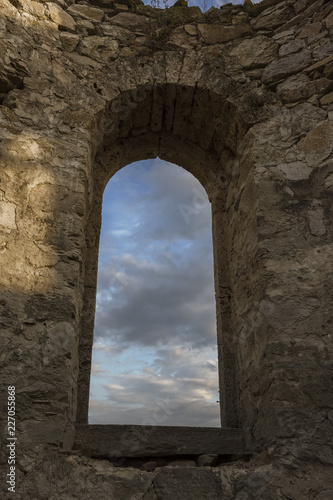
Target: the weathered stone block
(91, 13)
(318, 138)
(300, 87)
(310, 30)
(172, 485)
(219, 34)
(323, 51)
(256, 52)
(36, 9)
(329, 21)
(60, 17)
(327, 99)
(120, 7)
(291, 47)
(69, 41)
(157, 441)
(191, 29)
(127, 20)
(301, 5)
(273, 17)
(286, 66)
(7, 215)
(317, 219)
(99, 48)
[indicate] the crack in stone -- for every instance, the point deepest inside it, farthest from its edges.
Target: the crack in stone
(154, 486)
(151, 489)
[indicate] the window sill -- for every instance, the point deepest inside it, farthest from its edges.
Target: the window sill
(157, 441)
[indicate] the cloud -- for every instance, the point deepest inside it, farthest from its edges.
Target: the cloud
(101, 345)
(194, 414)
(138, 399)
(158, 303)
(97, 370)
(178, 378)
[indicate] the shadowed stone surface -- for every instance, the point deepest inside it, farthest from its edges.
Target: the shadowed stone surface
(131, 440)
(204, 485)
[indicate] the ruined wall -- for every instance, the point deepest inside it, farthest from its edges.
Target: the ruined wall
(242, 97)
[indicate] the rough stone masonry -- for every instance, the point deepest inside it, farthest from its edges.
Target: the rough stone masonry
(241, 97)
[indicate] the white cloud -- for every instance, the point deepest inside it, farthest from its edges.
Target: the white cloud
(181, 376)
(101, 345)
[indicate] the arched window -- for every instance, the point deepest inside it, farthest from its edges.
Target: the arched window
(155, 346)
(192, 127)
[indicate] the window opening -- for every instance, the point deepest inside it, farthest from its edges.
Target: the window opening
(154, 354)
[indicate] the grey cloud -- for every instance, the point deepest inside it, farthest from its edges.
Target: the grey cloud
(157, 307)
(162, 304)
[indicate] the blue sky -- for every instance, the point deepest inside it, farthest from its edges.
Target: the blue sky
(203, 4)
(154, 355)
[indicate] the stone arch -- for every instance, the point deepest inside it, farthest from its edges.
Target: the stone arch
(198, 128)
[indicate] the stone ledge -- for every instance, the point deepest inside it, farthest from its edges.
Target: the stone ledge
(152, 441)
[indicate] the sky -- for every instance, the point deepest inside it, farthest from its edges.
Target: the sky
(154, 354)
(207, 4)
(203, 4)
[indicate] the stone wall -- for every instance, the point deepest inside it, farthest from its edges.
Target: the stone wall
(241, 97)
